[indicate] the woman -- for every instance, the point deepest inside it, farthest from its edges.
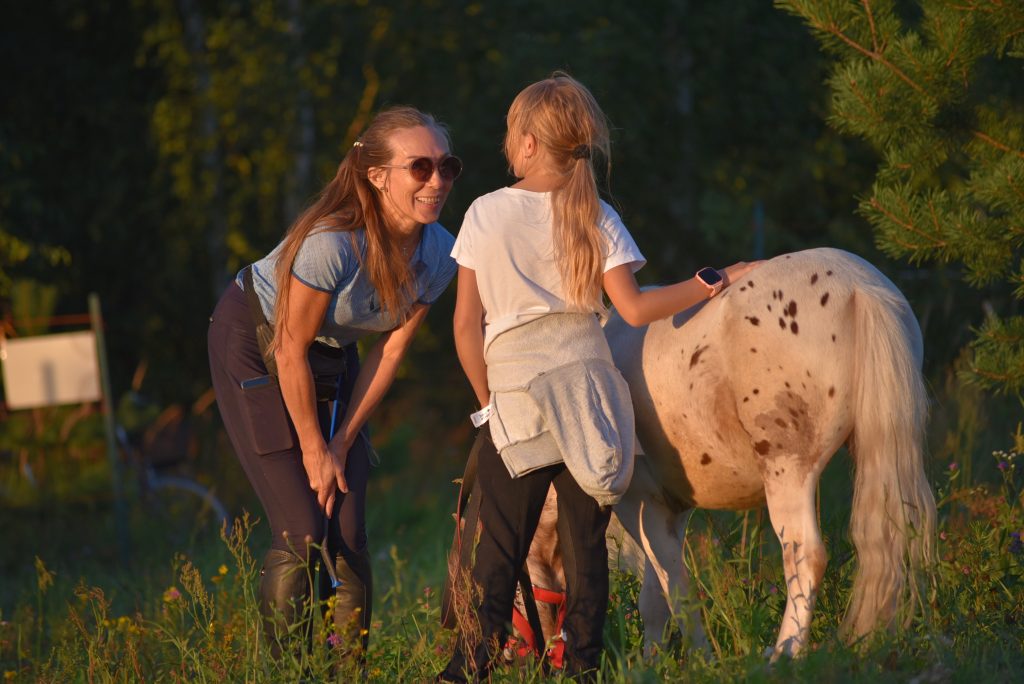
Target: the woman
(534, 259)
(367, 257)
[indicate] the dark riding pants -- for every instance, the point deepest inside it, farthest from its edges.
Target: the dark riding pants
(266, 444)
(510, 510)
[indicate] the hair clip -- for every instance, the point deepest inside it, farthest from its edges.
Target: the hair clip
(357, 143)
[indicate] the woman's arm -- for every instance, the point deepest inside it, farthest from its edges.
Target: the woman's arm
(376, 374)
(640, 307)
(469, 334)
(306, 308)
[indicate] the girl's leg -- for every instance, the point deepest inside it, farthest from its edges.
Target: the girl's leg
(509, 511)
(581, 529)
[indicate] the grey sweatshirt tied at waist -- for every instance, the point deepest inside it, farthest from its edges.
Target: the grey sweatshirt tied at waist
(557, 396)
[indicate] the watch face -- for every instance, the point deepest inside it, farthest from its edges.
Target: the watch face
(709, 276)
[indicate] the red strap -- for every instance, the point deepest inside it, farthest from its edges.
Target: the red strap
(527, 645)
(522, 625)
(548, 596)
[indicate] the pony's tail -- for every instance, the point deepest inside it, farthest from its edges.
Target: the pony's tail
(893, 519)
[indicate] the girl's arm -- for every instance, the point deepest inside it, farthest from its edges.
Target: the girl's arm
(469, 334)
(306, 308)
(376, 374)
(640, 307)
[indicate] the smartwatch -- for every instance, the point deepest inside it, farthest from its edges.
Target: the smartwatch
(711, 279)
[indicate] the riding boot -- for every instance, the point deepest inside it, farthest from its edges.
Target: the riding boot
(352, 601)
(485, 655)
(285, 588)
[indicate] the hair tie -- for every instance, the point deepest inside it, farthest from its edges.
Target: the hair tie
(581, 152)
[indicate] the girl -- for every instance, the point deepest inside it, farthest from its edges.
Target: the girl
(533, 259)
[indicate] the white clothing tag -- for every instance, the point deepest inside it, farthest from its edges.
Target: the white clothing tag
(481, 416)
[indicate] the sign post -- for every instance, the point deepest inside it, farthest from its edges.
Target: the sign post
(68, 368)
(120, 520)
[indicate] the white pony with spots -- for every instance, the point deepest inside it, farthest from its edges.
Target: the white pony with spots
(742, 401)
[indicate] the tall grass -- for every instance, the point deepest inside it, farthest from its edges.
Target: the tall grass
(72, 610)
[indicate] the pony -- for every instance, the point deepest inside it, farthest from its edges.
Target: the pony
(741, 402)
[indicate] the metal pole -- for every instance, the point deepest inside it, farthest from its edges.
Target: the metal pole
(120, 518)
(758, 221)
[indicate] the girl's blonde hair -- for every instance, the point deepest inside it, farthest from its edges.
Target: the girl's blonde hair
(564, 117)
(349, 202)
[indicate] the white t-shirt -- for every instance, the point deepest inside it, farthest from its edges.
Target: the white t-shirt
(506, 238)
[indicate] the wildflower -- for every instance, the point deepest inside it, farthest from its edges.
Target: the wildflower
(966, 570)
(44, 577)
(172, 595)
(427, 592)
(1016, 544)
(9, 675)
(943, 535)
(953, 466)
(1003, 465)
(222, 572)
(333, 640)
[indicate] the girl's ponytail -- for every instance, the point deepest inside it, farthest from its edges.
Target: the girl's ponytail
(565, 118)
(578, 245)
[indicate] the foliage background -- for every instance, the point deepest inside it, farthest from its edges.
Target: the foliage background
(151, 148)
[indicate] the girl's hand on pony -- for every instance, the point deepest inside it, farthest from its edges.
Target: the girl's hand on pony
(733, 273)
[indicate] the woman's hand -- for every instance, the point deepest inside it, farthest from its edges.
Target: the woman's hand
(322, 469)
(339, 449)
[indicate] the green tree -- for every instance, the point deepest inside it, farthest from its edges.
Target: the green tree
(936, 88)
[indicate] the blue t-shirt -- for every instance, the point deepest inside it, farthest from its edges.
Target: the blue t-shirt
(326, 261)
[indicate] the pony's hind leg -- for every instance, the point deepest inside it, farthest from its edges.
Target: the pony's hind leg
(791, 507)
(665, 593)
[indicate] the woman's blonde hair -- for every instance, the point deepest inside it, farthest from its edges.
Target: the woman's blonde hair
(349, 202)
(564, 117)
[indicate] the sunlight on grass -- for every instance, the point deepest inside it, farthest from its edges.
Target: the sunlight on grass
(204, 624)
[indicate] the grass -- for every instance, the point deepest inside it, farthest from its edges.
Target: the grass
(72, 610)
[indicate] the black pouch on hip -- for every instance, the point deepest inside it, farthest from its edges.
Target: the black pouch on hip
(266, 415)
(264, 332)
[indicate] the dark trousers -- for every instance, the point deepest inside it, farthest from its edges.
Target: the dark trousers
(509, 512)
(266, 444)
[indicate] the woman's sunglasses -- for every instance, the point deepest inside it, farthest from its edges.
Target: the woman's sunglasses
(422, 169)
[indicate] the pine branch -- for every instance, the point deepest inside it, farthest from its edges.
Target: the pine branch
(871, 23)
(908, 224)
(877, 56)
(996, 144)
(998, 355)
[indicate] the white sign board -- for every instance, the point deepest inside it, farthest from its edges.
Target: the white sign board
(45, 370)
